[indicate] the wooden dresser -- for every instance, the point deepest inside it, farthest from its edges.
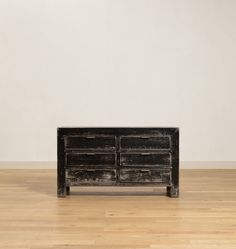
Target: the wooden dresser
(121, 156)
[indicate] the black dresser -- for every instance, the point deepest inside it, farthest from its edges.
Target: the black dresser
(121, 156)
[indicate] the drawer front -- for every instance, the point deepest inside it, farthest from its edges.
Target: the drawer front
(145, 142)
(145, 159)
(90, 159)
(90, 142)
(145, 176)
(93, 176)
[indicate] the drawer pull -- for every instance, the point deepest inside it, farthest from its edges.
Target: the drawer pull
(90, 137)
(145, 154)
(144, 137)
(144, 171)
(90, 154)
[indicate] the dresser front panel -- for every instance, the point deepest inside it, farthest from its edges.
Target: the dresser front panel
(118, 156)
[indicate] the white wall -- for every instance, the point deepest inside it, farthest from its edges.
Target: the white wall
(117, 63)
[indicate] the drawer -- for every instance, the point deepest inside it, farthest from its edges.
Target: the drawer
(145, 159)
(145, 142)
(91, 176)
(90, 159)
(145, 175)
(90, 142)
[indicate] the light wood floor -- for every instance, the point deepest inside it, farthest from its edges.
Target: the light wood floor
(31, 216)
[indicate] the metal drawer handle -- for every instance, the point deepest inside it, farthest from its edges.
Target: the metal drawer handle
(144, 137)
(144, 170)
(90, 137)
(145, 154)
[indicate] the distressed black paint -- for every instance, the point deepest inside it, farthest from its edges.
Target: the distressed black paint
(145, 159)
(118, 156)
(91, 177)
(90, 159)
(145, 142)
(90, 142)
(145, 175)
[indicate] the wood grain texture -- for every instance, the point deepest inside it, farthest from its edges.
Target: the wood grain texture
(32, 217)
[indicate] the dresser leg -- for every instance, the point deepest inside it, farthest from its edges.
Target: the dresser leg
(68, 190)
(61, 192)
(172, 191)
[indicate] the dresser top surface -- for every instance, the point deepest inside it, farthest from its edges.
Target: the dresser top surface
(63, 131)
(116, 127)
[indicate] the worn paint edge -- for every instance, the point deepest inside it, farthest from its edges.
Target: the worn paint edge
(53, 165)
